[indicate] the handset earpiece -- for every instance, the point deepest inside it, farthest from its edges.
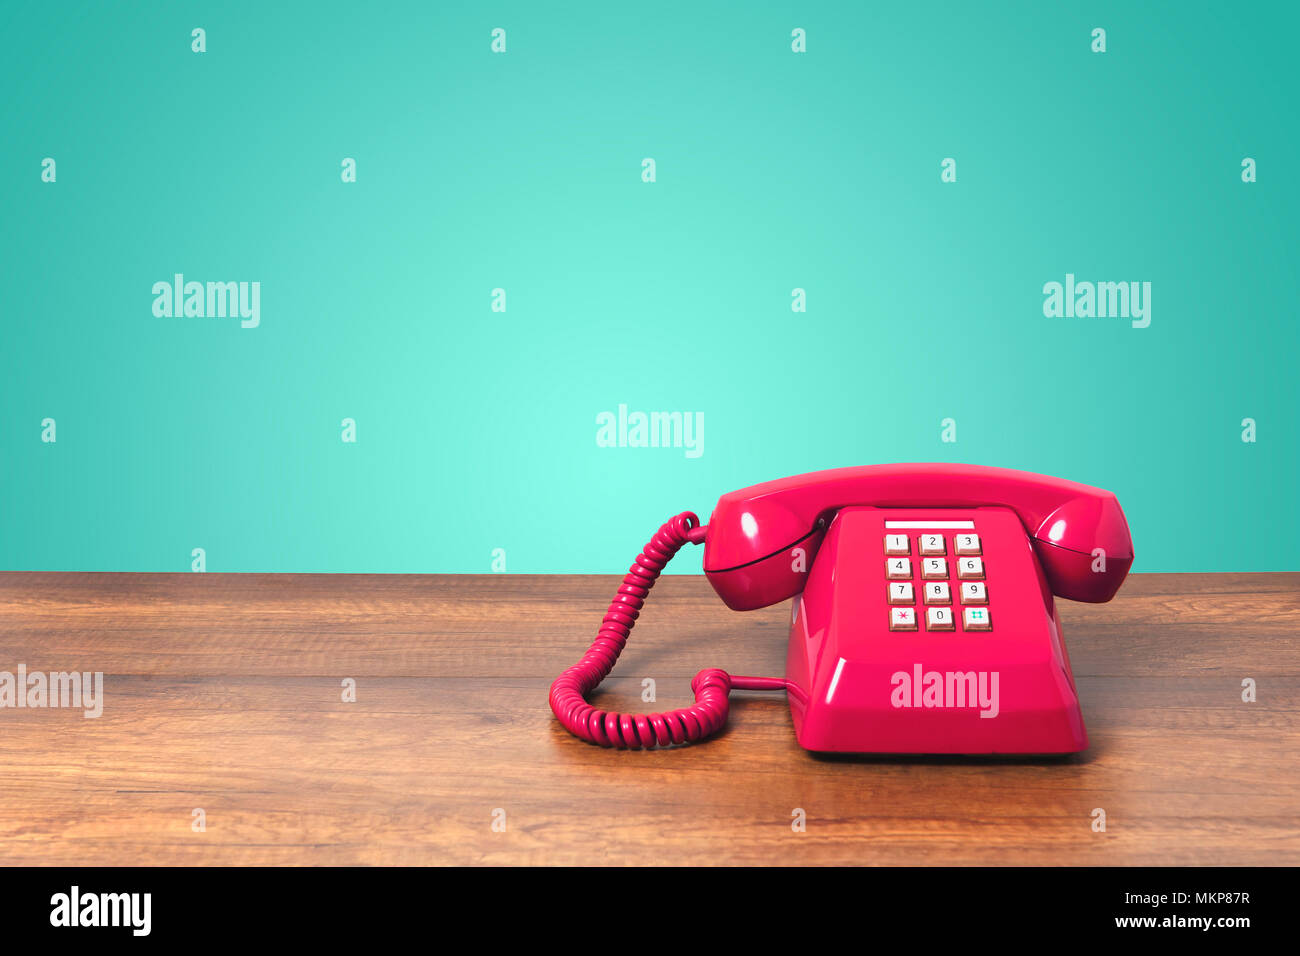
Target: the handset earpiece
(1085, 548)
(768, 580)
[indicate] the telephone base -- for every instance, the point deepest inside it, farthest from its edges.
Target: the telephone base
(950, 684)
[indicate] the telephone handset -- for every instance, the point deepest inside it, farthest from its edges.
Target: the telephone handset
(924, 619)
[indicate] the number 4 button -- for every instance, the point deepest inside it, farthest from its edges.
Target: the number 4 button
(898, 568)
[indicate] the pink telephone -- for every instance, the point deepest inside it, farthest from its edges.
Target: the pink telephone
(923, 619)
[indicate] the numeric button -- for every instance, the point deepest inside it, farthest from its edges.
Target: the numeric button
(900, 593)
(932, 544)
(938, 619)
(898, 568)
(936, 592)
(966, 544)
(970, 568)
(897, 544)
(934, 568)
(974, 592)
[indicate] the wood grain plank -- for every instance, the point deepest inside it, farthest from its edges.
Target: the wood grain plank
(223, 692)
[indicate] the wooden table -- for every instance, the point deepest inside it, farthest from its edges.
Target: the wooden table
(223, 692)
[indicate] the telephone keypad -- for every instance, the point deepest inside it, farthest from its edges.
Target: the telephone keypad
(900, 593)
(937, 587)
(934, 568)
(937, 593)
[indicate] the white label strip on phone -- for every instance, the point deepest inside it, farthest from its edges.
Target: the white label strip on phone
(965, 525)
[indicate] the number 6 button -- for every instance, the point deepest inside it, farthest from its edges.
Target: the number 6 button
(970, 568)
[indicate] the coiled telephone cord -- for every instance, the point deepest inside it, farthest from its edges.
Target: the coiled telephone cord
(645, 731)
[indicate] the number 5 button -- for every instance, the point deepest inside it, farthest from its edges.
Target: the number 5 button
(970, 568)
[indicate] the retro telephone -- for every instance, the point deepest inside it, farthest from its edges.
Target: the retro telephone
(923, 619)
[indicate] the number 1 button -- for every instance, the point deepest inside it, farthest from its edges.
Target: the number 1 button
(897, 544)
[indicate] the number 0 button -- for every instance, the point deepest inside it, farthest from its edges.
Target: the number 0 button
(938, 619)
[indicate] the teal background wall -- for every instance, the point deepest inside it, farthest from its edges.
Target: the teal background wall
(775, 170)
